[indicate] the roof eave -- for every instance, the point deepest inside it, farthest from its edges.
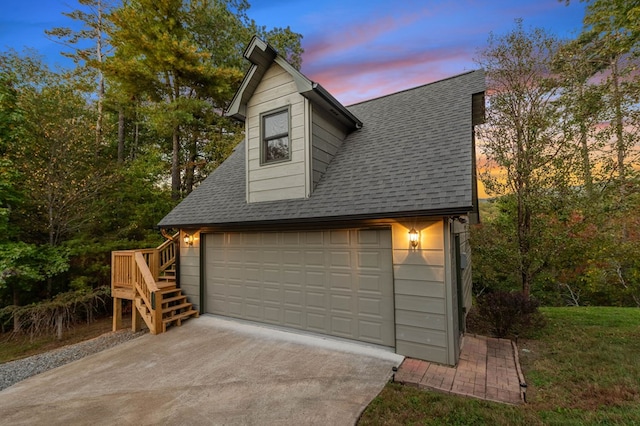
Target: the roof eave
(321, 96)
(262, 55)
(458, 211)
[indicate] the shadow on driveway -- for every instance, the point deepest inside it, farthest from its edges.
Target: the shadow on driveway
(209, 371)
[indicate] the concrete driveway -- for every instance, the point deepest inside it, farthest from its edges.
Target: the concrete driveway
(209, 371)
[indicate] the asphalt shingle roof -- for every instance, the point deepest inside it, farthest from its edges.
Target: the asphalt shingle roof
(413, 156)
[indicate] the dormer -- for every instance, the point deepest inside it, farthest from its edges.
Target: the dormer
(293, 127)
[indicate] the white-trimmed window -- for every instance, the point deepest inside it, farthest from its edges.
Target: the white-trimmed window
(276, 144)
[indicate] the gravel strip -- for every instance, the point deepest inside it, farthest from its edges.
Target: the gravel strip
(15, 371)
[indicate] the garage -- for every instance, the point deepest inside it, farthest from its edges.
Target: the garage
(336, 282)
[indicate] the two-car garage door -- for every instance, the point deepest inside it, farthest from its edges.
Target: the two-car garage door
(337, 282)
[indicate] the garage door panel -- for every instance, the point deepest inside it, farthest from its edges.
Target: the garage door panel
(236, 289)
(316, 321)
(315, 279)
(272, 314)
(369, 259)
(316, 300)
(341, 280)
(339, 237)
(234, 307)
(292, 277)
(291, 238)
(293, 297)
(272, 276)
(235, 256)
(271, 257)
(268, 238)
(368, 237)
(252, 275)
(253, 292)
(292, 258)
(341, 303)
(370, 306)
(271, 293)
(234, 239)
(337, 282)
(251, 257)
(235, 272)
(294, 318)
(372, 283)
(247, 239)
(342, 326)
(253, 311)
(215, 304)
(314, 258)
(340, 259)
(314, 238)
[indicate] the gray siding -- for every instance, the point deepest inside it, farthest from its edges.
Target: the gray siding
(465, 250)
(286, 180)
(190, 269)
(420, 294)
(326, 137)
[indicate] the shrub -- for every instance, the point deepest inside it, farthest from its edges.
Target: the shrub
(508, 314)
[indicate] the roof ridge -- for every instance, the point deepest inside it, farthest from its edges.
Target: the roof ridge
(414, 88)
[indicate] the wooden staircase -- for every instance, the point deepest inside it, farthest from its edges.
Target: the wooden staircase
(174, 307)
(148, 278)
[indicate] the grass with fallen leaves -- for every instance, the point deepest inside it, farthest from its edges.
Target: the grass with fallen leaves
(582, 368)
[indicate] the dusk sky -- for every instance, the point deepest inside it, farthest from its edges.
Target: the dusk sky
(356, 49)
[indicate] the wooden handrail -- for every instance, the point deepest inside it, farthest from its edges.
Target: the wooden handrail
(145, 286)
(135, 274)
(167, 253)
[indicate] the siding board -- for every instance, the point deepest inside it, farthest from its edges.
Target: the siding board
(190, 270)
(420, 292)
(279, 181)
(326, 136)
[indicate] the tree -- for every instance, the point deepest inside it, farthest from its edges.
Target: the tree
(521, 133)
(92, 15)
(183, 60)
(581, 103)
(610, 40)
(21, 264)
(157, 54)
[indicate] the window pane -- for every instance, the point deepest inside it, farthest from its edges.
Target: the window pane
(277, 124)
(277, 149)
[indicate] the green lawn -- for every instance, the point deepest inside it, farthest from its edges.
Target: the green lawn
(583, 368)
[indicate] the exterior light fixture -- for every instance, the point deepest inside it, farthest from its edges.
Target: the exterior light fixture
(414, 237)
(188, 239)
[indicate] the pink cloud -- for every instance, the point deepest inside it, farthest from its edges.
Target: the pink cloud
(356, 35)
(376, 75)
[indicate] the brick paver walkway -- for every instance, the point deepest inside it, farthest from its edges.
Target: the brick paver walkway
(488, 369)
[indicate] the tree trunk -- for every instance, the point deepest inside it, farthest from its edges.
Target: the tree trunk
(100, 80)
(16, 303)
(618, 123)
(524, 246)
(175, 166)
(59, 321)
(190, 169)
(586, 161)
(121, 135)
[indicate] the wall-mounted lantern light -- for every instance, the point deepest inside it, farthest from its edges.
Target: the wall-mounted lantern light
(414, 237)
(188, 239)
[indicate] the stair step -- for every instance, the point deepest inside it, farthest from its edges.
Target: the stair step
(173, 299)
(178, 318)
(166, 289)
(176, 307)
(166, 278)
